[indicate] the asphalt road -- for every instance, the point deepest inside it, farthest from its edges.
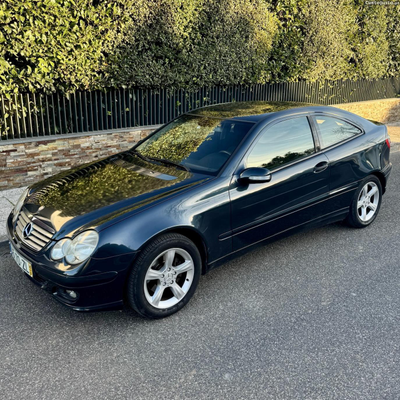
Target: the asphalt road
(314, 316)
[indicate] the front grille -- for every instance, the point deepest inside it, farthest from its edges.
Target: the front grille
(40, 235)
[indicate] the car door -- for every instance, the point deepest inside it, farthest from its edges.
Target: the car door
(299, 181)
(348, 161)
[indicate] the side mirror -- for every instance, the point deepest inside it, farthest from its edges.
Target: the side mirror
(255, 175)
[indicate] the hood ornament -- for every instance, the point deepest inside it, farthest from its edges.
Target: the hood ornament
(28, 230)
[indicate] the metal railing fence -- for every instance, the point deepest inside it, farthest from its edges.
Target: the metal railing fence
(32, 115)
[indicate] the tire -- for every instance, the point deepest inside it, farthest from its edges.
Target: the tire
(164, 277)
(358, 218)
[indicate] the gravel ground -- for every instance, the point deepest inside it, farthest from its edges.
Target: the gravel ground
(313, 316)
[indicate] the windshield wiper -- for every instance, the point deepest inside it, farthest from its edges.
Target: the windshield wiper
(168, 162)
(162, 161)
(140, 155)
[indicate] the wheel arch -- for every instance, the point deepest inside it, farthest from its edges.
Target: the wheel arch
(381, 178)
(190, 233)
(193, 235)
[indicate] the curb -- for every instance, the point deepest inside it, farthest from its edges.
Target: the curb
(395, 146)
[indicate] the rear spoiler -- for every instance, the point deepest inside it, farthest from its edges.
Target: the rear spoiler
(375, 122)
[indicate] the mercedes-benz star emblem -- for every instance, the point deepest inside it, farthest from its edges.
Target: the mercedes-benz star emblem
(28, 230)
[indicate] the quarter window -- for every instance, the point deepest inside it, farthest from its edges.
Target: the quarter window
(284, 142)
(333, 130)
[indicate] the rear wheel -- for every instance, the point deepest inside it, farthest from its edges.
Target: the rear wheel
(366, 203)
(164, 277)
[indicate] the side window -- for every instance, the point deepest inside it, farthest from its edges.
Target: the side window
(333, 130)
(284, 142)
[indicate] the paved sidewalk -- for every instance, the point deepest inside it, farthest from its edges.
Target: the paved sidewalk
(394, 132)
(8, 198)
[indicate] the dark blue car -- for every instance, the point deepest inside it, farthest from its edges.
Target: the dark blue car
(141, 226)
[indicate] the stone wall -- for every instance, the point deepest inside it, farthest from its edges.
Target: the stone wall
(23, 163)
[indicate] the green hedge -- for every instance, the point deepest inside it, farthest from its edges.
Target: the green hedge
(48, 45)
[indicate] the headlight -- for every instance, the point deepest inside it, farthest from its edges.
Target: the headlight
(59, 249)
(77, 250)
(20, 202)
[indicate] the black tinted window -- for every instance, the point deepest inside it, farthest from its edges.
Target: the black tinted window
(334, 130)
(282, 143)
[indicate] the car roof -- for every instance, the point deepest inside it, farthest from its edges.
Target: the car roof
(253, 111)
(261, 112)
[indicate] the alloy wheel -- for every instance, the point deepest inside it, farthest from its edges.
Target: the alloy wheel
(368, 201)
(169, 278)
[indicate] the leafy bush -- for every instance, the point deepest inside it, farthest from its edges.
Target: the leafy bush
(46, 44)
(285, 63)
(393, 38)
(66, 45)
(335, 39)
(370, 42)
(327, 49)
(191, 43)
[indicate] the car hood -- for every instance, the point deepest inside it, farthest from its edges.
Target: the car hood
(98, 192)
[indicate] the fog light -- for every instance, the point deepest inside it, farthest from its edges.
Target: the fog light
(72, 294)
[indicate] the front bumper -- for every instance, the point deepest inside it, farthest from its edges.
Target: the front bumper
(95, 292)
(102, 287)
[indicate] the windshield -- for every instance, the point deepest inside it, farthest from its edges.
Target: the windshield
(198, 143)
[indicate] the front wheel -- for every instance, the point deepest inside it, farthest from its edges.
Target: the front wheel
(366, 203)
(164, 277)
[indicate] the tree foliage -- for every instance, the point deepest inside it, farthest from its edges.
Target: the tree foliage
(335, 39)
(47, 43)
(371, 41)
(326, 48)
(191, 43)
(393, 38)
(50, 45)
(58, 44)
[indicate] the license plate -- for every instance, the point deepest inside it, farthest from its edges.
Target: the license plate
(25, 265)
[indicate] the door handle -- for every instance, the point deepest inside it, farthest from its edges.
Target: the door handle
(322, 166)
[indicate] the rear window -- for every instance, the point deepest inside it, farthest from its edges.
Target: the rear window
(333, 130)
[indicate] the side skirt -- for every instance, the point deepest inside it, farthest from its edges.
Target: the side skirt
(335, 216)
